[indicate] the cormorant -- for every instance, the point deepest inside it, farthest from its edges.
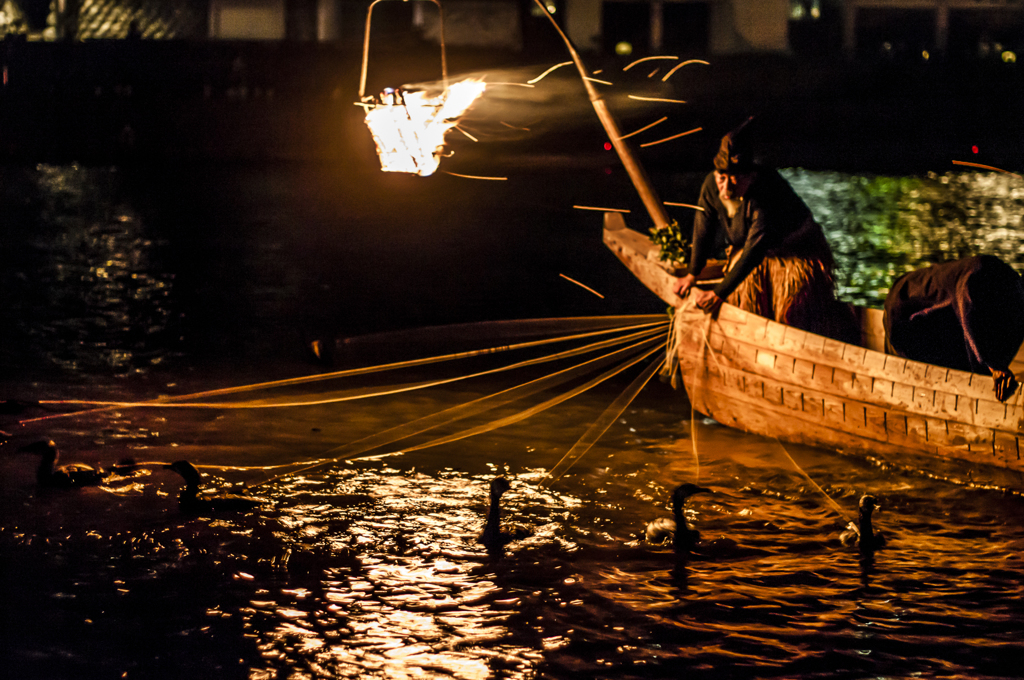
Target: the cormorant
(683, 536)
(493, 538)
(191, 502)
(70, 476)
(865, 536)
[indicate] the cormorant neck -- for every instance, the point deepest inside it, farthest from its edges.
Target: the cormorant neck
(867, 532)
(680, 515)
(188, 493)
(45, 470)
(494, 515)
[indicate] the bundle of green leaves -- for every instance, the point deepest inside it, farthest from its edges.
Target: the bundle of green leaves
(674, 246)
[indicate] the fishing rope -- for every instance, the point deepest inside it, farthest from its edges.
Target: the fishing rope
(603, 422)
(693, 444)
(543, 406)
(671, 369)
(174, 401)
(366, 392)
(209, 466)
(461, 411)
(835, 506)
(706, 348)
(674, 373)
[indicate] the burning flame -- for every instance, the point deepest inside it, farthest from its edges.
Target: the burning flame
(409, 127)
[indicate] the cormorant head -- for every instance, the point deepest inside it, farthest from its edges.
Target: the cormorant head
(187, 471)
(868, 503)
(43, 446)
(684, 491)
(499, 485)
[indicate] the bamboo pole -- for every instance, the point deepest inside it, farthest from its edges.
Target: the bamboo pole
(636, 173)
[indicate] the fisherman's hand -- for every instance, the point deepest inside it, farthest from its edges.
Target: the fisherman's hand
(684, 285)
(1006, 383)
(708, 300)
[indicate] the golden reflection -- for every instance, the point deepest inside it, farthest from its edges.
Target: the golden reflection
(419, 604)
(98, 273)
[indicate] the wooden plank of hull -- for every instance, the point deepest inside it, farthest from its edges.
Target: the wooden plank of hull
(755, 362)
(807, 416)
(766, 378)
(640, 255)
(869, 382)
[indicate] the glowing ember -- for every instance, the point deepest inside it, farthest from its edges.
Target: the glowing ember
(409, 127)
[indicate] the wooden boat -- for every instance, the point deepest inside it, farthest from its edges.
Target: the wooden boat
(754, 374)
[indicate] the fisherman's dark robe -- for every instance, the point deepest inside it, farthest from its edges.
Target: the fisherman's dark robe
(784, 269)
(966, 315)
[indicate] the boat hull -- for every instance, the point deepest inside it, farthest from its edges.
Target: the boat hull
(756, 375)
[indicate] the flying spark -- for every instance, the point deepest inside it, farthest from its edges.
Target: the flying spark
(466, 133)
(986, 167)
(582, 286)
(679, 66)
(455, 174)
(669, 139)
(640, 61)
(656, 99)
(556, 66)
(646, 127)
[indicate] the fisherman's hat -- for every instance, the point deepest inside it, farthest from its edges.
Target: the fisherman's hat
(736, 154)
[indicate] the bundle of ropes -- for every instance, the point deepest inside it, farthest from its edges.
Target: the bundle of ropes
(605, 346)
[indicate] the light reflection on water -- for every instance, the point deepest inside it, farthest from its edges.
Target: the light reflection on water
(371, 567)
(881, 227)
(88, 292)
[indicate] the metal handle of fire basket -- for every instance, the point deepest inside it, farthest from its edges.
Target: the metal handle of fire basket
(366, 45)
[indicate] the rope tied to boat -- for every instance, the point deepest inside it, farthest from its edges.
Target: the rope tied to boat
(709, 350)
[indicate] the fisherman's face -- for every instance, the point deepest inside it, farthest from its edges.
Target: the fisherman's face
(732, 186)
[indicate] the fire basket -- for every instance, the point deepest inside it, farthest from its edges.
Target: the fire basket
(408, 126)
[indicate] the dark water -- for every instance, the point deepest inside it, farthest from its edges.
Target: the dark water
(127, 283)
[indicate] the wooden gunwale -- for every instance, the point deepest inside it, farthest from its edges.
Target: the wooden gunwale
(762, 377)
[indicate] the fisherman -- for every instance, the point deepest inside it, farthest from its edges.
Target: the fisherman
(779, 264)
(967, 315)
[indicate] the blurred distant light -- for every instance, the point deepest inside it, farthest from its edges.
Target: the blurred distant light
(623, 49)
(815, 10)
(887, 46)
(607, 146)
(1010, 57)
(974, 149)
(538, 12)
(796, 11)
(925, 55)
